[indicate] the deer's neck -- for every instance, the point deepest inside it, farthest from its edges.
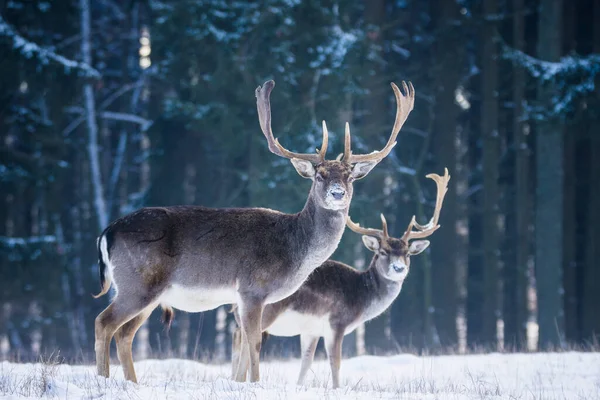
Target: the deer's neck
(381, 292)
(320, 230)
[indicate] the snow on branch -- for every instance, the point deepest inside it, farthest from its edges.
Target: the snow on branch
(13, 242)
(331, 55)
(117, 116)
(29, 49)
(572, 78)
(551, 71)
(401, 169)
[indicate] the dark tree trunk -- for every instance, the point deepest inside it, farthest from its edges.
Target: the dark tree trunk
(475, 271)
(590, 298)
(591, 278)
(515, 312)
(549, 191)
(490, 134)
(570, 265)
(448, 67)
(376, 121)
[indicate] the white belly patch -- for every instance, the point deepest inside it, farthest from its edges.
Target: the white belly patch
(292, 323)
(197, 300)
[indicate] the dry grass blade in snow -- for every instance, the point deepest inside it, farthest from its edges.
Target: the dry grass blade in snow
(544, 376)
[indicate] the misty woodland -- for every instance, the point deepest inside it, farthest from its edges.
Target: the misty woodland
(422, 178)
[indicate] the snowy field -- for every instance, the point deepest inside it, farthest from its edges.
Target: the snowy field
(492, 376)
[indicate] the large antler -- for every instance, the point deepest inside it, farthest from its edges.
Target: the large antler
(383, 233)
(426, 230)
(404, 105)
(264, 115)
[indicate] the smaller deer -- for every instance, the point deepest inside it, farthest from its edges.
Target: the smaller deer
(336, 298)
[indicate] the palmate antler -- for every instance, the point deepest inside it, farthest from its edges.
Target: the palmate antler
(424, 231)
(383, 233)
(404, 105)
(263, 105)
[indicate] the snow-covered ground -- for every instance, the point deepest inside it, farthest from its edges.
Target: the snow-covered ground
(547, 376)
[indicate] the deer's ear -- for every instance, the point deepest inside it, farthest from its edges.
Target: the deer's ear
(304, 168)
(417, 247)
(371, 243)
(361, 169)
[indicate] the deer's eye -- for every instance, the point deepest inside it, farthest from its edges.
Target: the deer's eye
(383, 253)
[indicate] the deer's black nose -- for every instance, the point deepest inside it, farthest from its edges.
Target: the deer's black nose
(398, 268)
(338, 194)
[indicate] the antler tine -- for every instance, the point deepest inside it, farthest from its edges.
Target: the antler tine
(347, 145)
(384, 226)
(263, 106)
(404, 105)
(411, 224)
(426, 230)
(363, 231)
(442, 188)
(325, 143)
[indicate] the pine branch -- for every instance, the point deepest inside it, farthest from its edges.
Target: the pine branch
(45, 55)
(116, 116)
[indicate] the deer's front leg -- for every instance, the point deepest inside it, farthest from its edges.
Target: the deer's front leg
(236, 351)
(251, 317)
(333, 345)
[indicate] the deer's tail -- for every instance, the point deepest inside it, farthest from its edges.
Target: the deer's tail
(103, 261)
(167, 316)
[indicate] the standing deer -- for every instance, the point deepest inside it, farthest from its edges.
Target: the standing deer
(336, 298)
(195, 258)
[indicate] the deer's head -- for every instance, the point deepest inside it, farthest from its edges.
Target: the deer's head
(392, 254)
(332, 179)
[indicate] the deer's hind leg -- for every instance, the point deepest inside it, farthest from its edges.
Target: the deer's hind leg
(124, 308)
(124, 338)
